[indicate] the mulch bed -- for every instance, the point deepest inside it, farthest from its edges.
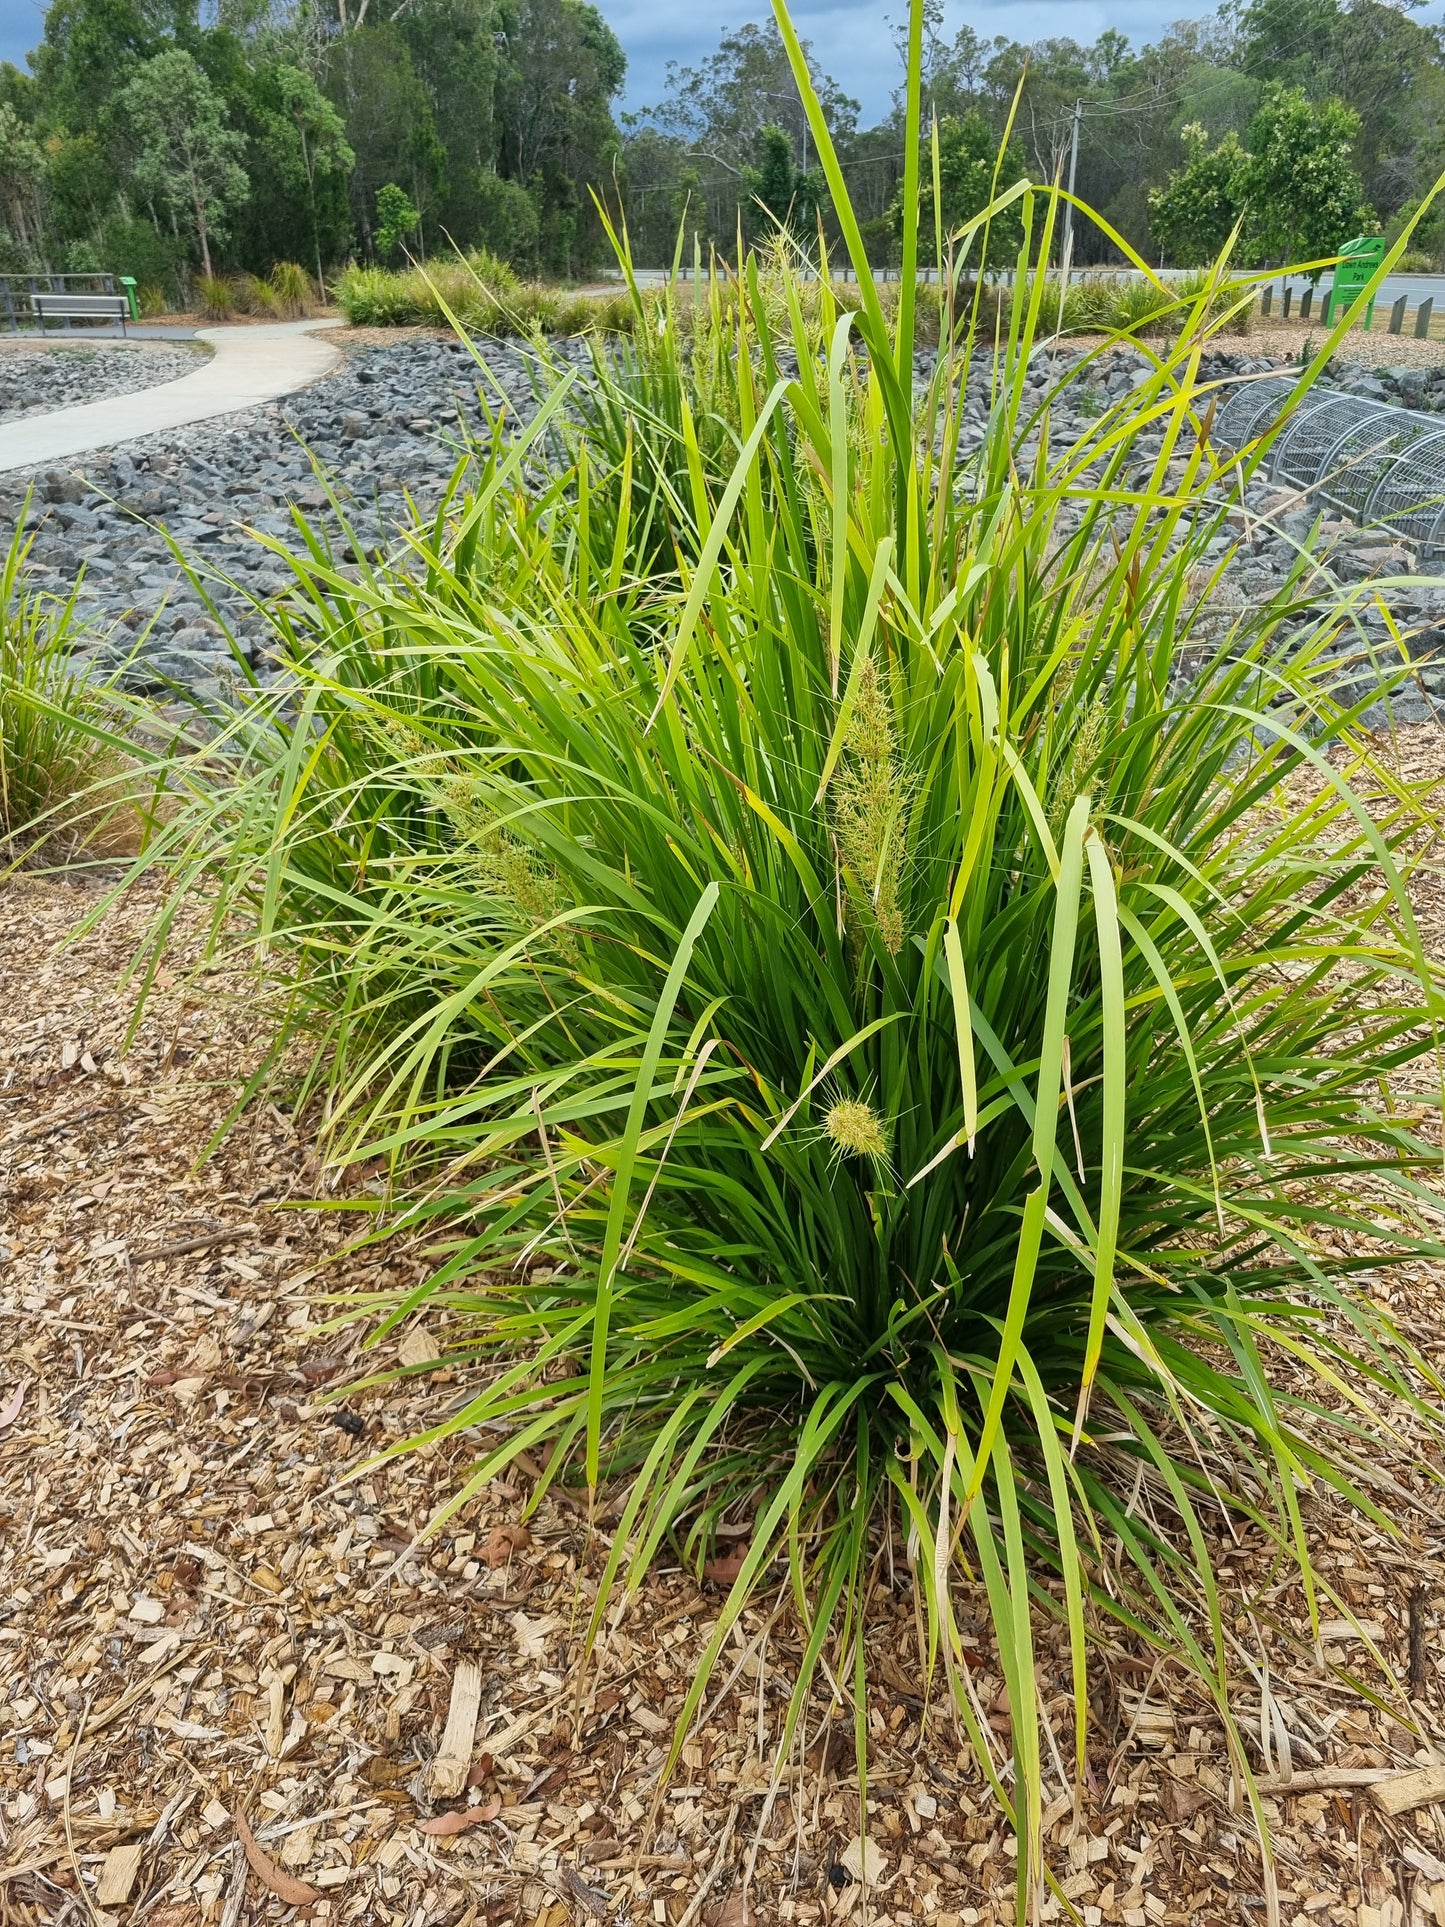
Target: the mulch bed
(237, 1691)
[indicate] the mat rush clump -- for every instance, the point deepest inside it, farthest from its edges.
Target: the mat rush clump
(905, 1069)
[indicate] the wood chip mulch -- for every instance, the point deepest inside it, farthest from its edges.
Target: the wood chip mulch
(236, 1691)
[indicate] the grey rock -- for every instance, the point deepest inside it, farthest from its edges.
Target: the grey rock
(58, 487)
(36, 380)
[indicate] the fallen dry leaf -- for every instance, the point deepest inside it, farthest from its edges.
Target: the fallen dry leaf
(316, 1371)
(734, 1912)
(899, 1678)
(501, 1542)
(835, 1751)
(285, 1886)
(462, 1818)
(862, 1859)
(1182, 1801)
(11, 1410)
(418, 1348)
(725, 1568)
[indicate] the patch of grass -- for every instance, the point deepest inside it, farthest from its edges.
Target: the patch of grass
(286, 294)
(63, 779)
(481, 291)
(217, 296)
(293, 293)
(1143, 305)
(889, 1064)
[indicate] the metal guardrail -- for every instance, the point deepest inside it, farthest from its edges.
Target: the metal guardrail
(1380, 465)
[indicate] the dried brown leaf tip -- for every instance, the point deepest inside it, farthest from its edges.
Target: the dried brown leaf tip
(501, 1542)
(725, 1568)
(732, 1912)
(462, 1818)
(285, 1886)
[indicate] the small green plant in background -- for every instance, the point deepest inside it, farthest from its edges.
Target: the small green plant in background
(883, 1072)
(286, 293)
(63, 777)
(396, 219)
(293, 293)
(484, 296)
(479, 293)
(217, 296)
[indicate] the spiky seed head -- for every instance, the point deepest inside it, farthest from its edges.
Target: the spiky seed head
(870, 728)
(856, 1129)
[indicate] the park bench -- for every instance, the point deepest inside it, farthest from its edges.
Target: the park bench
(80, 307)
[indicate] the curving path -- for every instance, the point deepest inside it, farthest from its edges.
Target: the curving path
(249, 365)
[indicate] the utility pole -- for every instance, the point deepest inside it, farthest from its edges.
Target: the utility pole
(1069, 213)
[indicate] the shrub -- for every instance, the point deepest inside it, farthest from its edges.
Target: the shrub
(216, 296)
(137, 249)
(396, 219)
(1231, 301)
(16, 258)
(492, 271)
(83, 257)
(507, 221)
(813, 916)
(372, 298)
(480, 293)
(293, 292)
(244, 293)
(1140, 305)
(60, 764)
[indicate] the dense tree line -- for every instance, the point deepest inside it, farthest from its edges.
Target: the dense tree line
(156, 138)
(1314, 119)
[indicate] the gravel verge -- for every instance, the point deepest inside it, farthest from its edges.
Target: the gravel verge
(36, 380)
(386, 430)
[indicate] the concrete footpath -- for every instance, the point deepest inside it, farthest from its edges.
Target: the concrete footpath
(249, 366)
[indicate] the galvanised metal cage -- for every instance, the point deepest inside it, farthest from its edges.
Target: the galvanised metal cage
(1249, 410)
(1381, 465)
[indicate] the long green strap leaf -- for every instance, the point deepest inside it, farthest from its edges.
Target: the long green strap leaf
(626, 1163)
(1046, 1118)
(1111, 1149)
(712, 548)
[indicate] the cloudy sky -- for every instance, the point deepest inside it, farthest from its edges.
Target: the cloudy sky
(851, 37)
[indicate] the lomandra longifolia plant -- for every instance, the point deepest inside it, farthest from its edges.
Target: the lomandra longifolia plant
(899, 1014)
(65, 756)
